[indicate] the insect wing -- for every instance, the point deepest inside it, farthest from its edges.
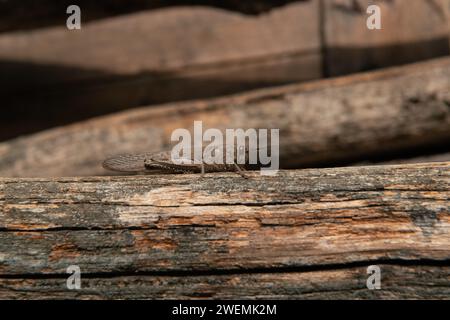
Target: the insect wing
(127, 162)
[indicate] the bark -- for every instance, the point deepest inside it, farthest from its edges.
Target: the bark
(328, 122)
(300, 234)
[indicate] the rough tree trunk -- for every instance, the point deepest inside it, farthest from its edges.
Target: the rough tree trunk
(301, 234)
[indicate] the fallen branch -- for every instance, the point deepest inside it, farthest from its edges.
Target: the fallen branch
(304, 233)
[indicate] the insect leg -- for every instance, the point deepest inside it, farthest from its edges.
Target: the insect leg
(240, 170)
(203, 169)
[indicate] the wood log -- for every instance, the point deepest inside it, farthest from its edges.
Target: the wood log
(300, 234)
(411, 31)
(399, 282)
(341, 120)
(26, 14)
(55, 76)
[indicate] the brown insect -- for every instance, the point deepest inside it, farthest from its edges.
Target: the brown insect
(162, 161)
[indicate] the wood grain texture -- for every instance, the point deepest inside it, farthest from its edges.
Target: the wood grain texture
(398, 282)
(321, 123)
(151, 57)
(303, 233)
(411, 31)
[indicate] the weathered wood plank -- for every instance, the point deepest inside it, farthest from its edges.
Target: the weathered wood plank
(306, 234)
(188, 223)
(397, 282)
(322, 123)
(411, 31)
(151, 57)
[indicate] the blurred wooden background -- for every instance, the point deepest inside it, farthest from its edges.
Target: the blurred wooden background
(146, 53)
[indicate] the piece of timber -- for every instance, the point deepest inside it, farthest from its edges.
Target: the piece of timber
(27, 14)
(55, 76)
(303, 233)
(410, 31)
(342, 120)
(398, 282)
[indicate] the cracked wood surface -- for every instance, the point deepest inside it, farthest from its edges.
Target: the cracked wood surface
(405, 282)
(224, 236)
(326, 122)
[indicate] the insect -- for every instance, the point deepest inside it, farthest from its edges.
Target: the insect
(162, 161)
